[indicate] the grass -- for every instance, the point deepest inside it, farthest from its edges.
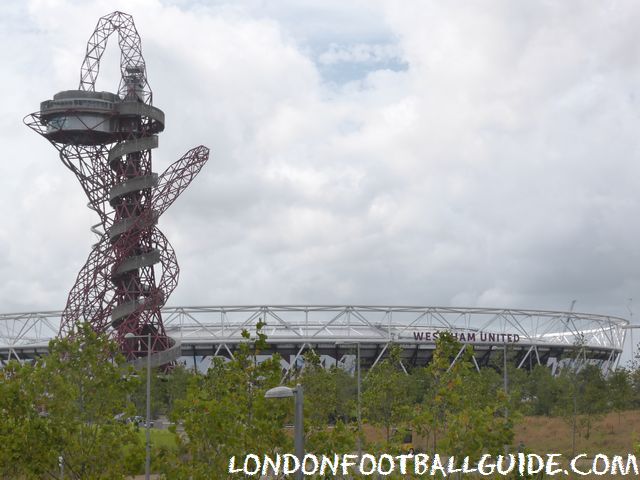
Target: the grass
(159, 438)
(611, 434)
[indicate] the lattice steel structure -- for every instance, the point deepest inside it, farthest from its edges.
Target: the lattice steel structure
(532, 337)
(106, 139)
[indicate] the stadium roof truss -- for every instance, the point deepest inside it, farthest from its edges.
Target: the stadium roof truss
(533, 336)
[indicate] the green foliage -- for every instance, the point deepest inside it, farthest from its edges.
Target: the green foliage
(386, 395)
(583, 399)
(66, 405)
(542, 391)
(634, 379)
(22, 427)
(166, 389)
(619, 383)
(224, 413)
(329, 406)
(463, 405)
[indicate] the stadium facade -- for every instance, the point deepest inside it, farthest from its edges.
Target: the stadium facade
(336, 332)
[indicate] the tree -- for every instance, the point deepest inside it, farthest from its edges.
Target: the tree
(592, 398)
(542, 391)
(329, 402)
(635, 384)
(619, 384)
(225, 414)
(583, 399)
(166, 389)
(67, 405)
(24, 433)
(517, 388)
(463, 405)
(174, 386)
(386, 397)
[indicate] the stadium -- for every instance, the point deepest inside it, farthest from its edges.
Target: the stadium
(339, 333)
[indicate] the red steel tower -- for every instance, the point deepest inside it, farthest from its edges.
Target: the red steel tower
(106, 139)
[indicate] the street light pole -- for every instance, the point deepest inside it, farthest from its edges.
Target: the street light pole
(298, 435)
(506, 380)
(359, 408)
(299, 428)
(147, 463)
(147, 460)
(359, 403)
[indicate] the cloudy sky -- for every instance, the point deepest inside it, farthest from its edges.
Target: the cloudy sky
(458, 153)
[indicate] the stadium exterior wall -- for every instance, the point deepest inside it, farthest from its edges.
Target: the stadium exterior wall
(530, 337)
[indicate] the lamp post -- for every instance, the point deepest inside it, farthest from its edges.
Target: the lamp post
(297, 392)
(359, 409)
(505, 380)
(147, 462)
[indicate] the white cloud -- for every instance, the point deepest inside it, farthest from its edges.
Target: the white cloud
(498, 167)
(359, 53)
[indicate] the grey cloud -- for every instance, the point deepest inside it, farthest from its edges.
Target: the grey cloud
(498, 167)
